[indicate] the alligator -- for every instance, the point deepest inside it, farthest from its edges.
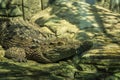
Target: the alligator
(23, 40)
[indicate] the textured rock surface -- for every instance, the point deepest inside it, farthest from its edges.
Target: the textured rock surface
(10, 8)
(25, 8)
(2, 53)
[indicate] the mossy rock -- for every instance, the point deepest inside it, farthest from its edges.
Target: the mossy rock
(14, 11)
(4, 3)
(2, 54)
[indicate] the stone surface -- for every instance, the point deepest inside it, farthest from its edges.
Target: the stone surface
(2, 53)
(25, 8)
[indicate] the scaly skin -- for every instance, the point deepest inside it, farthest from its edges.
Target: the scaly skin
(22, 42)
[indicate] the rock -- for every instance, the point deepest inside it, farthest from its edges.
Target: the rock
(111, 78)
(4, 3)
(117, 74)
(26, 9)
(88, 68)
(110, 50)
(9, 9)
(15, 12)
(64, 71)
(2, 53)
(88, 75)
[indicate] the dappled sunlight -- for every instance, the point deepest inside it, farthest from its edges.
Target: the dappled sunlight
(69, 40)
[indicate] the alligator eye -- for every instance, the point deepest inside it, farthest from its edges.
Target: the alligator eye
(60, 43)
(52, 43)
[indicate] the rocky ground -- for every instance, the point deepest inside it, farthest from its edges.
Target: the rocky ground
(80, 21)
